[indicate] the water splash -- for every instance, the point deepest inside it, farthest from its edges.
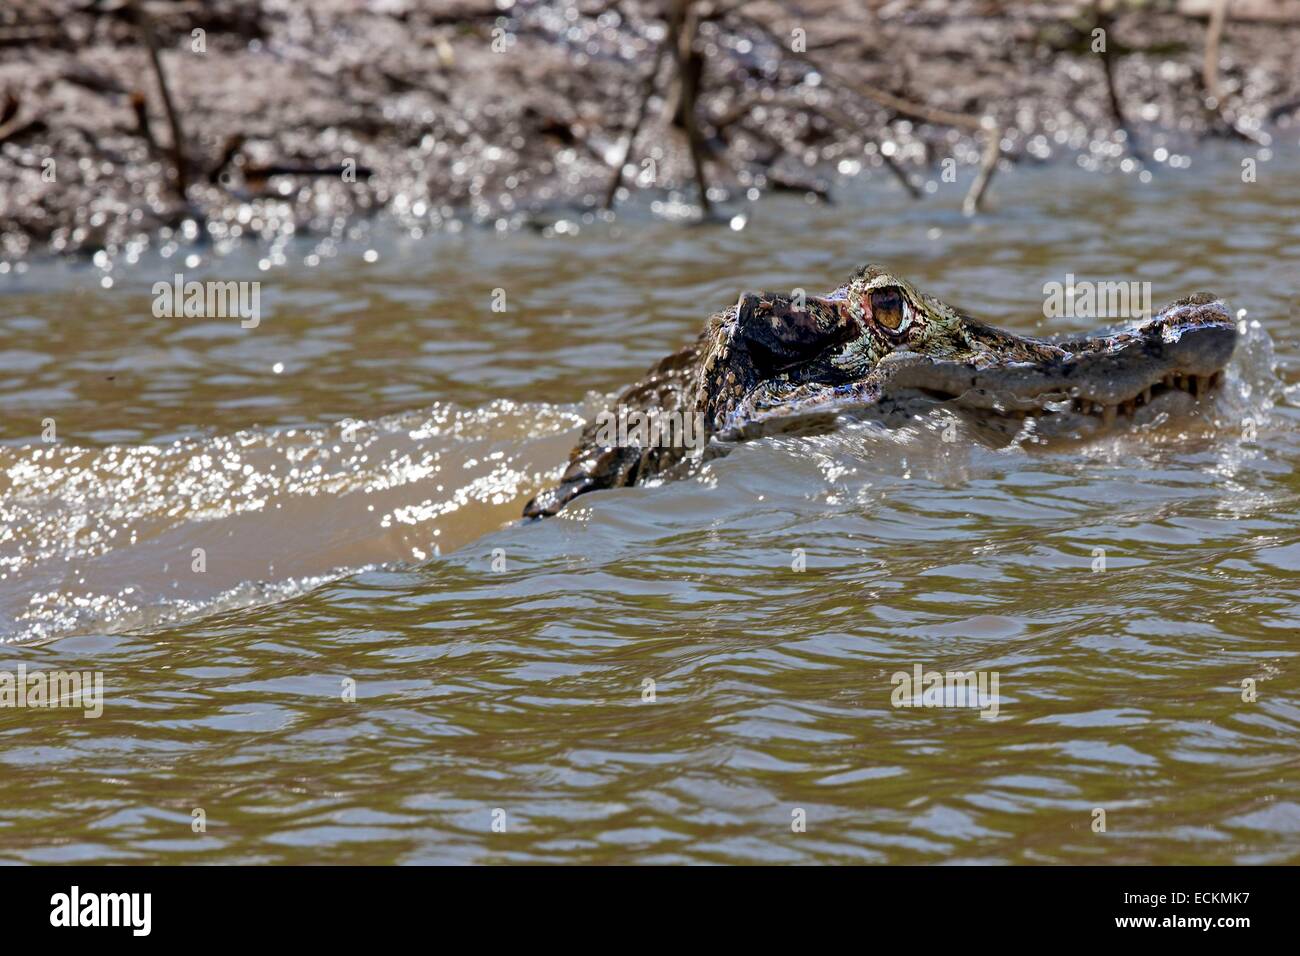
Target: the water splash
(124, 537)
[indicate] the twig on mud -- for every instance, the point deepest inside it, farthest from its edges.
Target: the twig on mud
(22, 35)
(259, 173)
(898, 104)
(848, 123)
(928, 114)
(141, 112)
(88, 77)
(609, 6)
(1116, 110)
(1104, 20)
(900, 173)
(460, 15)
(1210, 68)
(988, 166)
(683, 23)
(12, 119)
(1210, 72)
(830, 113)
(234, 144)
(256, 175)
(16, 126)
(145, 25)
(1281, 109)
(642, 109)
(779, 181)
(904, 107)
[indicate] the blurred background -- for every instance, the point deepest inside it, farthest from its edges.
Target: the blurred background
(212, 119)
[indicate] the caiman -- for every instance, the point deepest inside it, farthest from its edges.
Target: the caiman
(877, 348)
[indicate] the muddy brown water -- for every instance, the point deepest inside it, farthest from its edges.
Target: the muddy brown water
(353, 468)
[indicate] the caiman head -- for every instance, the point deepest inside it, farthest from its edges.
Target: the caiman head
(879, 348)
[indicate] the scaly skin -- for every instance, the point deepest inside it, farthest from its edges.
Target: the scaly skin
(878, 347)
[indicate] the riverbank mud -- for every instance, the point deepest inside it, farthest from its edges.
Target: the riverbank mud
(302, 117)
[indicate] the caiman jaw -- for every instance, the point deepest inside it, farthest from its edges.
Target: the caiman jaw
(1196, 386)
(1107, 375)
(1000, 375)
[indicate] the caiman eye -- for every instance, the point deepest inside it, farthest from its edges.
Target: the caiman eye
(889, 308)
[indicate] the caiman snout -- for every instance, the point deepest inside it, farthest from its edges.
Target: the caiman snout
(1107, 374)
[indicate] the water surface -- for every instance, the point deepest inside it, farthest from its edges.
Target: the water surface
(353, 469)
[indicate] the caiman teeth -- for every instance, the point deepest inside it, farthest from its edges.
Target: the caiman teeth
(1197, 386)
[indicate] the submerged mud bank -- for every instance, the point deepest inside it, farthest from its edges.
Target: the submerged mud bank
(299, 118)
